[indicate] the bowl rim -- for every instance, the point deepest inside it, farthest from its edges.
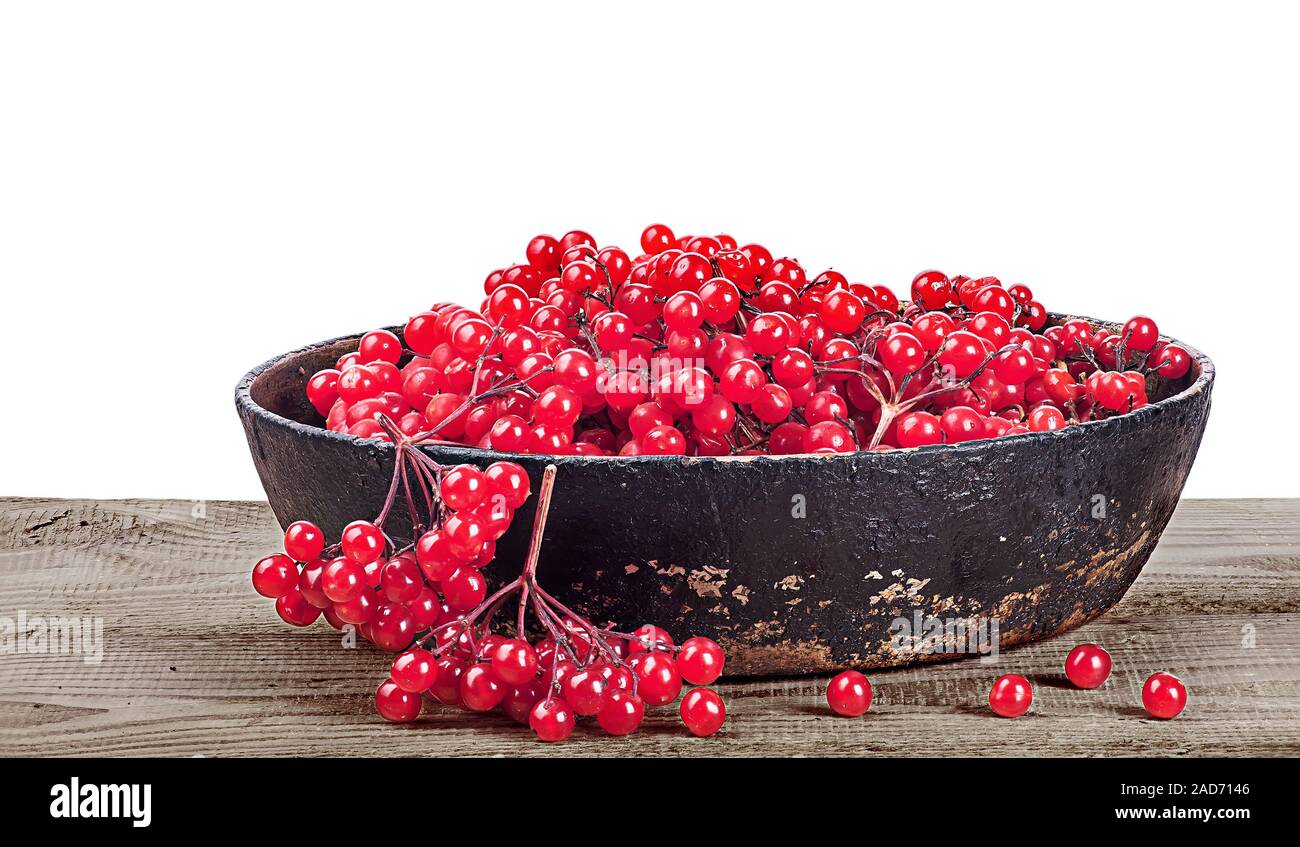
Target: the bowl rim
(1204, 379)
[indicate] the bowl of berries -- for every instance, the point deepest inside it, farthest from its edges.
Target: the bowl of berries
(804, 470)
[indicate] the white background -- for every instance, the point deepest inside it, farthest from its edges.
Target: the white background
(188, 189)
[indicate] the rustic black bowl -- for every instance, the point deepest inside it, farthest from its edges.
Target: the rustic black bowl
(798, 564)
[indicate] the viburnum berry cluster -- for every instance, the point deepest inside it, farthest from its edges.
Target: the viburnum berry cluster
(385, 589)
(697, 345)
(576, 669)
(428, 601)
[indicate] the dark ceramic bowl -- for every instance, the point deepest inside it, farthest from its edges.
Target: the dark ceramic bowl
(798, 564)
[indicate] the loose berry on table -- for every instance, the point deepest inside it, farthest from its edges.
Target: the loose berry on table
(1163, 695)
(1011, 695)
(1087, 666)
(849, 694)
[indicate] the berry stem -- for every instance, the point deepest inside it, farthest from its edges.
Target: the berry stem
(539, 524)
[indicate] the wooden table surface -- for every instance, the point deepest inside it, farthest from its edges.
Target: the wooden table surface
(196, 664)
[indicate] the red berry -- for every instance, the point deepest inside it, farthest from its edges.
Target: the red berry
(395, 704)
(1087, 666)
(962, 352)
(557, 406)
(584, 690)
(719, 300)
(1014, 366)
(1020, 293)
(931, 289)
(343, 580)
(303, 541)
(275, 576)
(772, 404)
(463, 487)
(657, 238)
(961, 423)
(647, 416)
(1011, 695)
(768, 334)
(356, 383)
(613, 331)
(514, 661)
(357, 611)
(994, 299)
(519, 701)
(843, 311)
(849, 694)
(446, 687)
(362, 542)
(576, 238)
(466, 535)
(759, 262)
(464, 589)
(788, 271)
(741, 381)
(901, 353)
(576, 370)
(480, 690)
(1046, 419)
(294, 609)
(1033, 316)
(433, 552)
(658, 679)
(992, 327)
(551, 719)
(663, 441)
(323, 390)
(391, 627)
(1164, 695)
(543, 253)
(649, 637)
(703, 711)
(309, 583)
(683, 311)
(700, 661)
(379, 345)
(792, 368)
(414, 670)
(715, 418)
(401, 580)
(688, 272)
(828, 436)
(508, 480)
(426, 609)
(1173, 362)
(1140, 334)
(917, 429)
(931, 328)
(621, 712)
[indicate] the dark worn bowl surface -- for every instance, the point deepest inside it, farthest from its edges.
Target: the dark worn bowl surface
(797, 563)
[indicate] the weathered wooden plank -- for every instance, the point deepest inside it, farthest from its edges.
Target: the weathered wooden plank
(195, 664)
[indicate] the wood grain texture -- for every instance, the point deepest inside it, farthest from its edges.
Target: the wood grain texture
(196, 664)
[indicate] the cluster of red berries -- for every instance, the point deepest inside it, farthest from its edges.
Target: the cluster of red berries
(1087, 666)
(700, 346)
(578, 671)
(391, 593)
(428, 602)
